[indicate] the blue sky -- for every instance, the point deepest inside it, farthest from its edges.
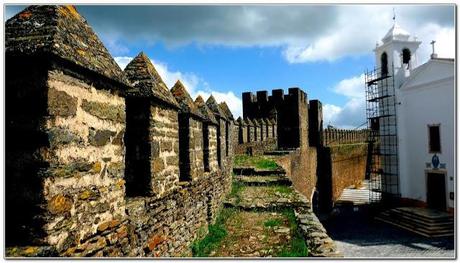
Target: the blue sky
(227, 50)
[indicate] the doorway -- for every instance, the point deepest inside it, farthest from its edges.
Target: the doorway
(436, 190)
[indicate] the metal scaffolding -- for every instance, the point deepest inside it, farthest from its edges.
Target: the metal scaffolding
(382, 162)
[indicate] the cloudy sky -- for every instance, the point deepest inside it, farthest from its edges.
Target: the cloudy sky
(226, 50)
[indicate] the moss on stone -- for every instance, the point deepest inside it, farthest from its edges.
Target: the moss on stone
(105, 111)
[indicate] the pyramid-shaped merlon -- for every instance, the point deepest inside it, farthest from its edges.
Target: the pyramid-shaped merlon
(204, 109)
(223, 105)
(214, 107)
(182, 97)
(63, 32)
(141, 73)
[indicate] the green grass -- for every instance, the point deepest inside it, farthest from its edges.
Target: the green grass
(258, 162)
(283, 189)
(237, 187)
(216, 233)
(272, 222)
(298, 247)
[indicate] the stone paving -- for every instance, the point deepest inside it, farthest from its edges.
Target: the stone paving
(359, 236)
(260, 198)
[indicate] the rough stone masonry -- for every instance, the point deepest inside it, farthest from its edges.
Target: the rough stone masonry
(105, 162)
(93, 154)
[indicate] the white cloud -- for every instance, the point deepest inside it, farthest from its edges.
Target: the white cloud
(352, 114)
(190, 80)
(358, 28)
(330, 113)
(445, 41)
(123, 61)
(234, 102)
(194, 84)
(352, 87)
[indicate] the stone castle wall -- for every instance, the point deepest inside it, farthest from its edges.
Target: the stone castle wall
(92, 168)
(99, 165)
(288, 110)
(164, 130)
(340, 136)
(340, 166)
(196, 148)
(301, 167)
(213, 163)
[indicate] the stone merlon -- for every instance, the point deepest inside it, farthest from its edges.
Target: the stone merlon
(146, 81)
(214, 107)
(205, 111)
(60, 31)
(185, 101)
(226, 110)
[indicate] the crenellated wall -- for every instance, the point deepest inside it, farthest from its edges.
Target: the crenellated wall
(289, 111)
(332, 136)
(254, 136)
(94, 155)
(104, 162)
(164, 138)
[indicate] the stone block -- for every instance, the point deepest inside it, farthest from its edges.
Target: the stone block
(166, 146)
(60, 136)
(60, 204)
(158, 165)
(105, 111)
(100, 137)
(61, 104)
(116, 169)
(172, 160)
(155, 145)
(118, 139)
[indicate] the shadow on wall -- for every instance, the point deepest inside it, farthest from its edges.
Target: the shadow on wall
(324, 185)
(26, 104)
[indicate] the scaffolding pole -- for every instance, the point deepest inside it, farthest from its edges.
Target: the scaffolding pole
(382, 162)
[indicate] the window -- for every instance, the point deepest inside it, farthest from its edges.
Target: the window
(384, 64)
(406, 56)
(434, 138)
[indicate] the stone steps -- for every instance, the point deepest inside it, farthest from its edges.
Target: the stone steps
(266, 180)
(249, 171)
(425, 222)
(279, 152)
(268, 206)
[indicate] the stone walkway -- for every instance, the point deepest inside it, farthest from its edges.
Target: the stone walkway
(267, 217)
(359, 236)
(261, 221)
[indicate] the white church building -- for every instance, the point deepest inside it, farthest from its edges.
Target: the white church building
(423, 124)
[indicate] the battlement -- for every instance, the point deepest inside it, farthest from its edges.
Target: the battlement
(93, 151)
(287, 109)
(334, 136)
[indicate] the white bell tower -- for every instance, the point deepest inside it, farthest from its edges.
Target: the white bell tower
(398, 50)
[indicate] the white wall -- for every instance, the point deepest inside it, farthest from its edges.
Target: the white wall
(426, 102)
